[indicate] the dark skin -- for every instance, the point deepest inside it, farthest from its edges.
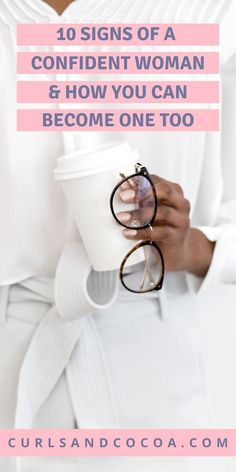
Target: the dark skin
(183, 247)
(59, 5)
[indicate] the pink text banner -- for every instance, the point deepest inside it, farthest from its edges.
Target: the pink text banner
(118, 442)
(117, 92)
(118, 34)
(117, 63)
(118, 120)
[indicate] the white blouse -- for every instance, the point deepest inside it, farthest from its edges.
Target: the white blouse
(35, 220)
(141, 362)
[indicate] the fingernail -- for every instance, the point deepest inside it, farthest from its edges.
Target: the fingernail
(127, 195)
(130, 232)
(123, 217)
(125, 186)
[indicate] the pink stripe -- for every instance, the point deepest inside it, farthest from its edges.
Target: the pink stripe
(185, 34)
(87, 92)
(32, 120)
(24, 63)
(116, 442)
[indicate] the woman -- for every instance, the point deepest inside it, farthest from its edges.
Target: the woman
(149, 361)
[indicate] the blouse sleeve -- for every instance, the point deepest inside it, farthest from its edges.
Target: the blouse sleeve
(223, 227)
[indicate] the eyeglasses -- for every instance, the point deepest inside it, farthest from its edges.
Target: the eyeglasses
(142, 269)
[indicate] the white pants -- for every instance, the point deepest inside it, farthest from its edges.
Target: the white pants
(156, 367)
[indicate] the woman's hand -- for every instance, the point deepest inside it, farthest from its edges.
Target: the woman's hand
(183, 248)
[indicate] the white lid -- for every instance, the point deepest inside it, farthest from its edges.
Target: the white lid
(94, 160)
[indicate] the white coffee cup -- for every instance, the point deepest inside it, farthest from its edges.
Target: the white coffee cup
(88, 177)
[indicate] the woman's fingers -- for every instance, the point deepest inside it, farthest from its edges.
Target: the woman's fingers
(163, 234)
(157, 180)
(128, 195)
(168, 193)
(165, 216)
(136, 218)
(171, 223)
(135, 195)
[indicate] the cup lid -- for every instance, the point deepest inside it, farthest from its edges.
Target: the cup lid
(94, 160)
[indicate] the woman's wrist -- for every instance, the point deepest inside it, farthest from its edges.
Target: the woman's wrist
(198, 253)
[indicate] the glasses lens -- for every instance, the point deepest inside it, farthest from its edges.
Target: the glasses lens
(143, 269)
(141, 208)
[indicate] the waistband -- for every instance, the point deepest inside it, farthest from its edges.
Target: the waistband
(57, 346)
(60, 345)
(17, 299)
